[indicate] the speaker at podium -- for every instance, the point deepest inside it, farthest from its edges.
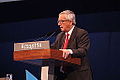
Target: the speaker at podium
(39, 53)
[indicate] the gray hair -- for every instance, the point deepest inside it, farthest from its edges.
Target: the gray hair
(70, 15)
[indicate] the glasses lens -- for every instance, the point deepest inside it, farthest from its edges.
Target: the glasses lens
(61, 21)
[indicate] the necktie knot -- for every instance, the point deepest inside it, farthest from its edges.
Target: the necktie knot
(66, 41)
(67, 35)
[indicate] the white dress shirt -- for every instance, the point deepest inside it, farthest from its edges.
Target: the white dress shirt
(69, 32)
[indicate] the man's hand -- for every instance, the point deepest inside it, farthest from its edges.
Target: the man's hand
(65, 53)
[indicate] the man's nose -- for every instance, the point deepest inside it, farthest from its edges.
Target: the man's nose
(59, 23)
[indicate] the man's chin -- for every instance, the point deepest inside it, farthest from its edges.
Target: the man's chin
(62, 30)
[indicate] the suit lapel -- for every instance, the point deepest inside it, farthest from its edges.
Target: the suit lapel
(72, 37)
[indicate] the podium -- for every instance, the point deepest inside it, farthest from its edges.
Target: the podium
(39, 53)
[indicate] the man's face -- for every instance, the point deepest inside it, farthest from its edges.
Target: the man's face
(65, 24)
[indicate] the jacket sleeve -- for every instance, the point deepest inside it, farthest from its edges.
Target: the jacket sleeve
(82, 44)
(56, 44)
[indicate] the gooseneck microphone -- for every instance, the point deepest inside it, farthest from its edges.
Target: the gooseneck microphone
(40, 38)
(52, 33)
(48, 35)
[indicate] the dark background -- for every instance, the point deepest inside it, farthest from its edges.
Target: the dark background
(29, 20)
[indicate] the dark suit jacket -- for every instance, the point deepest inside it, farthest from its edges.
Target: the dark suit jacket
(79, 43)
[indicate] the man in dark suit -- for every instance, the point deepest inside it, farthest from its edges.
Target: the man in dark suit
(76, 46)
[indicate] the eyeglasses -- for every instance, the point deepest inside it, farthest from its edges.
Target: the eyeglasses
(61, 21)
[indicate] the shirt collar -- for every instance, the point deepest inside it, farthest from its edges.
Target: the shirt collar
(70, 32)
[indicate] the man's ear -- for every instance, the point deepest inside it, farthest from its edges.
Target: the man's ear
(71, 23)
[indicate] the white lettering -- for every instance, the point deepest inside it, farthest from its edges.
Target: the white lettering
(31, 46)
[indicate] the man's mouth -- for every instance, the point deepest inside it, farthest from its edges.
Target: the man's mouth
(61, 27)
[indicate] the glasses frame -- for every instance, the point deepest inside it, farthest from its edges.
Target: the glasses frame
(62, 21)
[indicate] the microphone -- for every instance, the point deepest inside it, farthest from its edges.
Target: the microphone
(40, 38)
(53, 33)
(48, 35)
